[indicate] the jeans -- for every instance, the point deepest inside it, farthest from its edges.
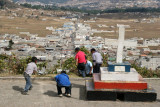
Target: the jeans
(87, 71)
(81, 66)
(81, 69)
(96, 68)
(67, 89)
(28, 82)
(82, 72)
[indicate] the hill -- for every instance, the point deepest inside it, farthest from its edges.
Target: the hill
(97, 4)
(7, 3)
(43, 1)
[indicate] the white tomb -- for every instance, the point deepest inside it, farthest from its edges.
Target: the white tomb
(119, 71)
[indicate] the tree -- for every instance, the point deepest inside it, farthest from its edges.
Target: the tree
(10, 44)
(84, 50)
(69, 64)
(2, 3)
(105, 59)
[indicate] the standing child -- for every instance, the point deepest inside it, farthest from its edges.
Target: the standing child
(63, 81)
(97, 60)
(31, 67)
(80, 61)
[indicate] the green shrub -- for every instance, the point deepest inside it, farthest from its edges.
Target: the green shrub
(146, 73)
(13, 65)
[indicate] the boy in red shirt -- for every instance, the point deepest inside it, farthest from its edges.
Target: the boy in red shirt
(80, 61)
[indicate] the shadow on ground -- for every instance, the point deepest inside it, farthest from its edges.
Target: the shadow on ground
(158, 100)
(17, 88)
(51, 93)
(82, 91)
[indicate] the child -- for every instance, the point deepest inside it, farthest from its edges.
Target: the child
(89, 67)
(31, 67)
(63, 81)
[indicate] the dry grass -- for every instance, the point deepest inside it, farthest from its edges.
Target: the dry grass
(145, 30)
(34, 26)
(25, 24)
(37, 26)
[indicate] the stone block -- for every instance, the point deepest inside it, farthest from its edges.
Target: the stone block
(120, 94)
(131, 85)
(92, 94)
(118, 76)
(137, 96)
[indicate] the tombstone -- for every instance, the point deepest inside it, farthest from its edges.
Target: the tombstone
(119, 80)
(122, 70)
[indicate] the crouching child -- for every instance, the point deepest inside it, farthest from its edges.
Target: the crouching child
(63, 81)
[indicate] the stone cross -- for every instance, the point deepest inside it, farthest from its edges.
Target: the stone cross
(119, 58)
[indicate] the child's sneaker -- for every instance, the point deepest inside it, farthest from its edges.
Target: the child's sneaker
(68, 95)
(31, 88)
(24, 92)
(60, 95)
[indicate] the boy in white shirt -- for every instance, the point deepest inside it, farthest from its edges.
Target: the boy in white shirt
(31, 67)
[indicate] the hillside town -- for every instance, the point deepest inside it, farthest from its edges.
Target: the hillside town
(75, 55)
(61, 42)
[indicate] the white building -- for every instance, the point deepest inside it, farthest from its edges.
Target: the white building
(150, 62)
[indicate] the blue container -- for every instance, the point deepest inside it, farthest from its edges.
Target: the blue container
(126, 65)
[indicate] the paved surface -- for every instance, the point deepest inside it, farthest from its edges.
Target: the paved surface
(44, 94)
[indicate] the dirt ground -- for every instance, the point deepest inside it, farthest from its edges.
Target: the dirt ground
(146, 28)
(35, 21)
(28, 21)
(44, 94)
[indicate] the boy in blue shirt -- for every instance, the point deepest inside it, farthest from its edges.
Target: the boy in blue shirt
(89, 67)
(63, 81)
